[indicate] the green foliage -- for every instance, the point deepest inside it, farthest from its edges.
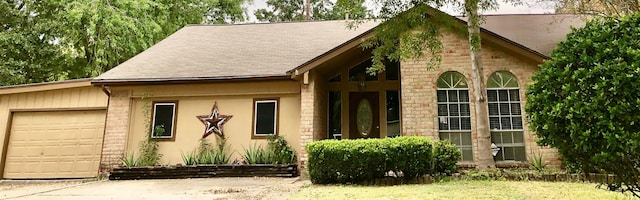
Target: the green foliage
(56, 40)
(190, 158)
(537, 162)
(276, 152)
(149, 155)
(284, 154)
(129, 160)
(258, 155)
(445, 157)
(294, 10)
(354, 161)
(585, 100)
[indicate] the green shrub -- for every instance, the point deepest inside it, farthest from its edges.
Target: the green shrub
(284, 154)
(445, 157)
(537, 162)
(129, 160)
(584, 100)
(354, 161)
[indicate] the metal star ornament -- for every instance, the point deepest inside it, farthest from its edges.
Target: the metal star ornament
(214, 121)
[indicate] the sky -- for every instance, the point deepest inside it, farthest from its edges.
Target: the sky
(505, 8)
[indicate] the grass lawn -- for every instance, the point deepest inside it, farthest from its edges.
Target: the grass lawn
(464, 190)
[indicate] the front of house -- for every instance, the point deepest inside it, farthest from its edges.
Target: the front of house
(306, 81)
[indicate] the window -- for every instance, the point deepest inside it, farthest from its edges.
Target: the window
(164, 118)
(505, 116)
(393, 113)
(265, 118)
(335, 116)
(454, 113)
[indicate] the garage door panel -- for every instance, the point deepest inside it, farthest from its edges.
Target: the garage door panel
(65, 144)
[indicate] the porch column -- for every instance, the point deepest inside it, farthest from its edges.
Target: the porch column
(116, 129)
(313, 100)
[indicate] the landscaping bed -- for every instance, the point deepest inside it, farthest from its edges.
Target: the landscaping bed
(204, 171)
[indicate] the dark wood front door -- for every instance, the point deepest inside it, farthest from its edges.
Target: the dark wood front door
(364, 115)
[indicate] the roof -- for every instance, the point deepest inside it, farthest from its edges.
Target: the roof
(37, 87)
(224, 52)
(205, 52)
(539, 32)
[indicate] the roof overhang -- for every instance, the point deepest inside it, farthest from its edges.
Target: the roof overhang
(486, 35)
(46, 86)
(164, 81)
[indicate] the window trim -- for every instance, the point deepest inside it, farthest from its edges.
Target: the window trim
(254, 120)
(174, 119)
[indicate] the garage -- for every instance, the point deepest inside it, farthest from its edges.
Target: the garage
(63, 144)
(52, 130)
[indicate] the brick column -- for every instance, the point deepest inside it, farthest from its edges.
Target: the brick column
(116, 129)
(312, 115)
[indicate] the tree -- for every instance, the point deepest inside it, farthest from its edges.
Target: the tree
(412, 28)
(28, 53)
(293, 10)
(594, 7)
(56, 40)
(585, 100)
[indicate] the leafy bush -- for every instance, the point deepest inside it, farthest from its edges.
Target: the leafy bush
(445, 157)
(278, 151)
(284, 154)
(149, 155)
(585, 100)
(354, 161)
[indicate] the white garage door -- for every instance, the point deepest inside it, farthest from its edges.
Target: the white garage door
(61, 144)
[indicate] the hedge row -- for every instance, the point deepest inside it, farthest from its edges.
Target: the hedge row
(355, 161)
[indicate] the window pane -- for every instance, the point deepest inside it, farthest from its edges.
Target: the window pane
(492, 95)
(503, 95)
(163, 120)
(496, 137)
(515, 95)
(442, 123)
(453, 96)
(466, 139)
(464, 110)
(467, 154)
(504, 109)
(336, 78)
(507, 138)
(359, 72)
(464, 95)
(518, 137)
(443, 110)
(335, 114)
(453, 110)
(516, 122)
(265, 118)
(494, 123)
(493, 109)
(393, 113)
(520, 154)
(506, 123)
(392, 70)
(508, 153)
(515, 109)
(442, 96)
(444, 136)
(465, 123)
(454, 123)
(455, 138)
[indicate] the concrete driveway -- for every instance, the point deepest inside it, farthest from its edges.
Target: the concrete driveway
(207, 188)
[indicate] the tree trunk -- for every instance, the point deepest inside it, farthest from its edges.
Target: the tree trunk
(485, 157)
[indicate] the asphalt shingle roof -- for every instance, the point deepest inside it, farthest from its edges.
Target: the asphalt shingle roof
(199, 52)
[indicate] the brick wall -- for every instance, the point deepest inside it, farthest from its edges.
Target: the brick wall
(116, 129)
(419, 105)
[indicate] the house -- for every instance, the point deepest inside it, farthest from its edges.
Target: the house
(304, 81)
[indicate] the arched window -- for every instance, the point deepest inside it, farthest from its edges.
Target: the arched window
(454, 114)
(505, 116)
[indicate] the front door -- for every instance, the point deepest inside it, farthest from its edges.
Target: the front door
(364, 115)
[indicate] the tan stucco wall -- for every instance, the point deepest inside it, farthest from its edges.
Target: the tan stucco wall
(233, 99)
(419, 104)
(73, 98)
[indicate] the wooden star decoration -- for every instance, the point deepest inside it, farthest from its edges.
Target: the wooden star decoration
(214, 121)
